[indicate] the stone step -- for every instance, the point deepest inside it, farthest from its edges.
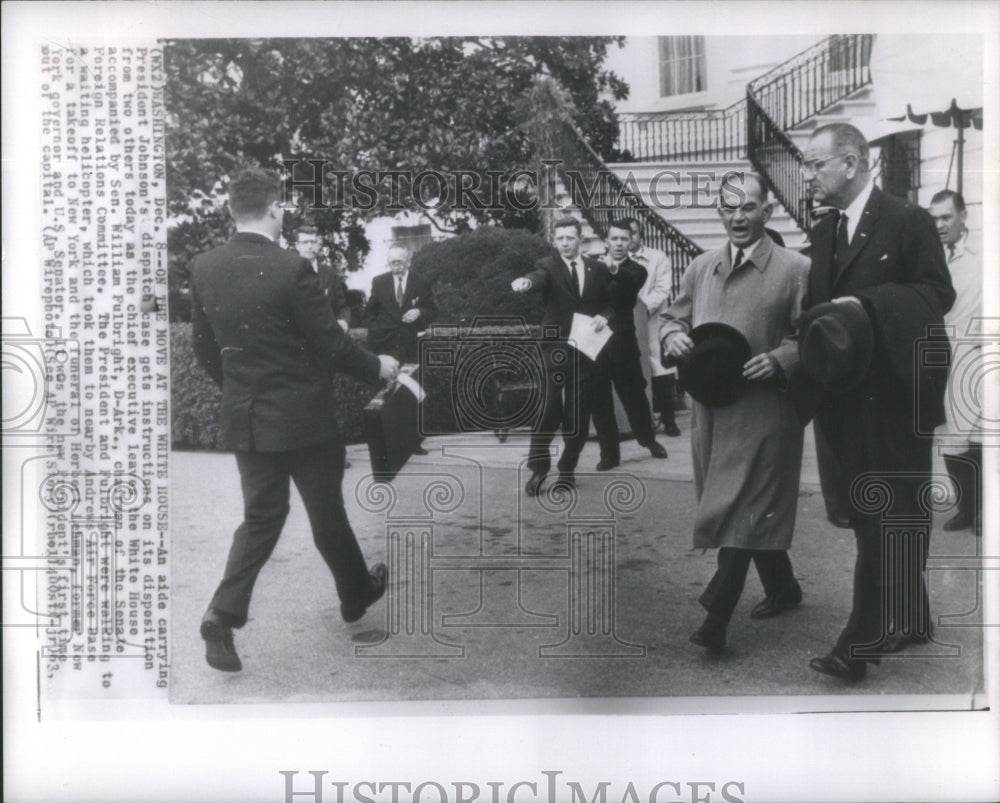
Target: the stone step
(689, 204)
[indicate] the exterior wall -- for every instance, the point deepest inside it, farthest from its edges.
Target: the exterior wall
(936, 153)
(731, 62)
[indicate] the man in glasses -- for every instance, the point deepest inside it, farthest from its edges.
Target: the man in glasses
(401, 305)
(882, 254)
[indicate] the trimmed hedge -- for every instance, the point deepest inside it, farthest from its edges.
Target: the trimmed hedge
(195, 400)
(471, 274)
(477, 362)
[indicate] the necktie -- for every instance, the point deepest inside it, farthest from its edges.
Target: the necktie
(738, 262)
(840, 249)
(399, 290)
(951, 251)
(576, 278)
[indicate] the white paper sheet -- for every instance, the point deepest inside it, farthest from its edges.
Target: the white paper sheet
(585, 339)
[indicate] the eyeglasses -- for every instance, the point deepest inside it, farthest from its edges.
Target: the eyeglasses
(811, 168)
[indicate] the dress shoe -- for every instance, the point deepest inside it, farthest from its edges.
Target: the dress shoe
(534, 483)
(839, 521)
(656, 450)
(566, 481)
(960, 521)
(607, 463)
(833, 665)
(351, 612)
(711, 635)
(420, 450)
(671, 430)
(220, 652)
(772, 606)
(900, 641)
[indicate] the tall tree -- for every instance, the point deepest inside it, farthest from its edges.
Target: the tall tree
(451, 106)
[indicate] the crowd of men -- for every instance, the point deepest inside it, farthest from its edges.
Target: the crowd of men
(763, 339)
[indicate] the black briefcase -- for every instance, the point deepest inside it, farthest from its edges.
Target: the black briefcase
(390, 421)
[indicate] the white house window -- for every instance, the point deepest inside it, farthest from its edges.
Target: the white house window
(682, 65)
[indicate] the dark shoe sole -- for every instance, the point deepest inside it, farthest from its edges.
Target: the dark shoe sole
(533, 486)
(769, 612)
(836, 668)
(380, 579)
(219, 650)
(709, 643)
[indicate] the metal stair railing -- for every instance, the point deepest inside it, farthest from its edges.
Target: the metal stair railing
(800, 88)
(602, 197)
(712, 134)
(814, 80)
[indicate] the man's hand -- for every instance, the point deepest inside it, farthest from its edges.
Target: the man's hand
(759, 367)
(599, 322)
(521, 285)
(388, 368)
(344, 325)
(679, 345)
(411, 315)
(848, 300)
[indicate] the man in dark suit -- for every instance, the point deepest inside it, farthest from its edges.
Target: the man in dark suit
(569, 284)
(883, 254)
(264, 332)
(401, 305)
(309, 244)
(619, 362)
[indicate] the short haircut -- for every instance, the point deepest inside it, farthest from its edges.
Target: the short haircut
(846, 136)
(956, 199)
(566, 222)
(252, 191)
(629, 221)
(308, 228)
(741, 176)
(622, 224)
(399, 248)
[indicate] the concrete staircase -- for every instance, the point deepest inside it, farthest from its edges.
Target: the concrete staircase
(686, 194)
(857, 109)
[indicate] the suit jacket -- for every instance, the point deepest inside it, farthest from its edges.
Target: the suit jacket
(896, 266)
(625, 287)
(552, 278)
(264, 332)
(387, 334)
(335, 289)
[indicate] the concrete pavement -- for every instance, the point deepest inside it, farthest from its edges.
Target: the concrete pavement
(494, 596)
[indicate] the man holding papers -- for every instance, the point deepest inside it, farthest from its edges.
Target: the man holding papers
(569, 284)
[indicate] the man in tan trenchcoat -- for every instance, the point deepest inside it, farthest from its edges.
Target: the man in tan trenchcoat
(747, 455)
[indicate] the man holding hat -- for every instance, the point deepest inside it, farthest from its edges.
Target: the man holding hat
(743, 299)
(880, 257)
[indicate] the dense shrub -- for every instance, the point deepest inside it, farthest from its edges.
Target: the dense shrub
(477, 368)
(195, 400)
(471, 274)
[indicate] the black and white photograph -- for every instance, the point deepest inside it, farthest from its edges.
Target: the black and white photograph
(501, 401)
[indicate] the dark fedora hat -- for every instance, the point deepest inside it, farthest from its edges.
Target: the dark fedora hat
(836, 341)
(713, 371)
